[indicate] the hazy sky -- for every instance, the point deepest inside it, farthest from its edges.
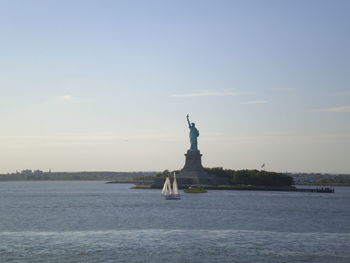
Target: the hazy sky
(106, 85)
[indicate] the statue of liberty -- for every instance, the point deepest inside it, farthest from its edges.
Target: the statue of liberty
(194, 133)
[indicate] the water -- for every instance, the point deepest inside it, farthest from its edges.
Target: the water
(97, 222)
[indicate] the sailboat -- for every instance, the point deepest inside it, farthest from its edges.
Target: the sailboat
(171, 193)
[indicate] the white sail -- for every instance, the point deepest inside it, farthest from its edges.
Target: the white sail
(175, 188)
(169, 190)
(165, 188)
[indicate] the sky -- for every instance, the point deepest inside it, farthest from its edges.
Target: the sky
(106, 85)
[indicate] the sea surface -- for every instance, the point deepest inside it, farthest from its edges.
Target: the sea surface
(98, 222)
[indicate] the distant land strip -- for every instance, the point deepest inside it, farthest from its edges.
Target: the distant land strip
(144, 176)
(37, 175)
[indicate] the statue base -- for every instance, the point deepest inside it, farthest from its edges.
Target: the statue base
(193, 172)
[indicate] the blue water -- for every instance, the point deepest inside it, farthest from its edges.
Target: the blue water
(97, 222)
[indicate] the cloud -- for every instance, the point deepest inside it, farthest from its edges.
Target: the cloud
(335, 109)
(208, 94)
(254, 102)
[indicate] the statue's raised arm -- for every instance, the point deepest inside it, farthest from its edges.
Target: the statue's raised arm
(188, 120)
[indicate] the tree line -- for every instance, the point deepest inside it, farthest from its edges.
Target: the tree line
(252, 177)
(246, 177)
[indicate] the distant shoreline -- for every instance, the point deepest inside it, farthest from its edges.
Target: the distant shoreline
(247, 188)
(143, 182)
(37, 175)
(76, 180)
(147, 177)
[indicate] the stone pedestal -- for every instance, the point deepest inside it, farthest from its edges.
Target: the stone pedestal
(193, 172)
(193, 161)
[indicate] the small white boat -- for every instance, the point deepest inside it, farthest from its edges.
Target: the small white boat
(171, 193)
